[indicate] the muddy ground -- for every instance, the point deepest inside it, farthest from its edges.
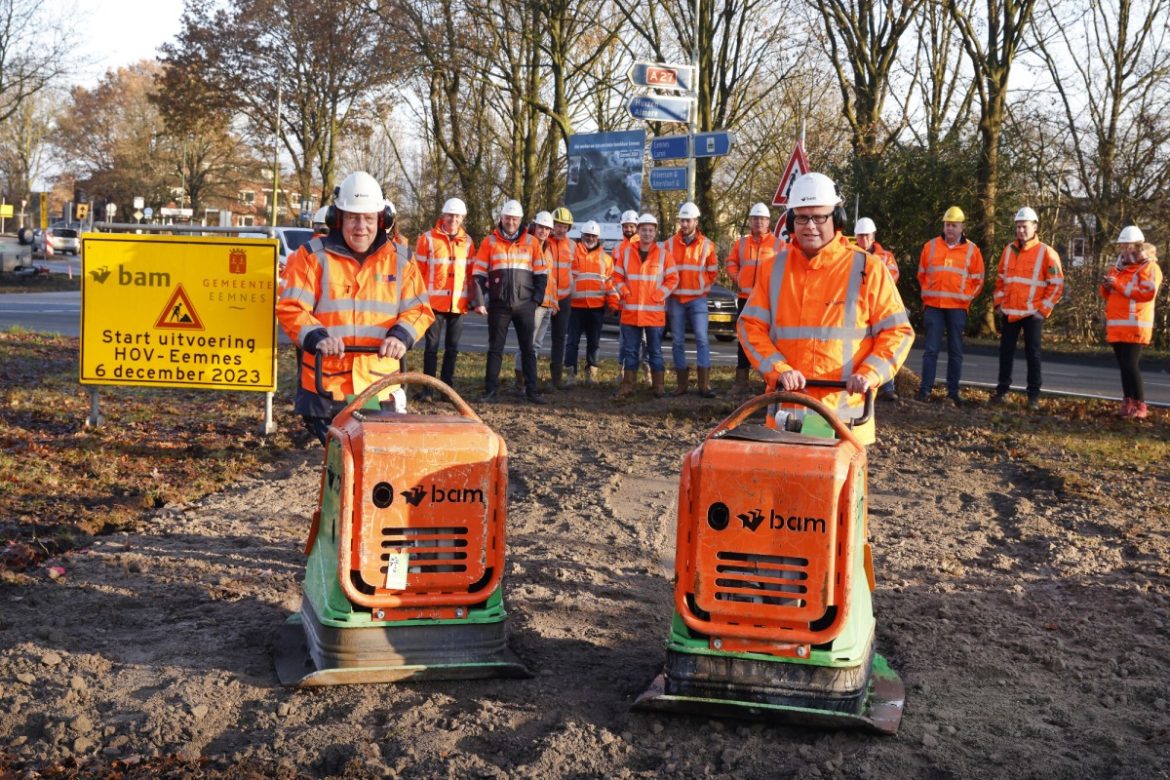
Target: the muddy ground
(1026, 606)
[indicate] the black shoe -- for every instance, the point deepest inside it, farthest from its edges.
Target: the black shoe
(489, 397)
(997, 399)
(1034, 404)
(534, 398)
(426, 394)
(957, 401)
(922, 398)
(889, 396)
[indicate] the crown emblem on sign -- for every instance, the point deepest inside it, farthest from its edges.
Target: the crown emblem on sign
(238, 261)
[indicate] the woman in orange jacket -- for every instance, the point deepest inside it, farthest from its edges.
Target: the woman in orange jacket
(1129, 289)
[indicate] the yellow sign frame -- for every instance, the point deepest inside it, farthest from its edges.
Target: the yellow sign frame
(179, 311)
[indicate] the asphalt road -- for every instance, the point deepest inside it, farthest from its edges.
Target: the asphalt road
(60, 312)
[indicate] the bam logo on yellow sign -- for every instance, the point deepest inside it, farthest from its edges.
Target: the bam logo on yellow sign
(179, 311)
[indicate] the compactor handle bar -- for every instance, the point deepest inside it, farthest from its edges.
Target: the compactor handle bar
(800, 399)
(395, 379)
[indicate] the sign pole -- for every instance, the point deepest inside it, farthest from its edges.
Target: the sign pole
(693, 126)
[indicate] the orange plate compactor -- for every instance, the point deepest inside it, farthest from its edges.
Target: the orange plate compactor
(773, 615)
(406, 552)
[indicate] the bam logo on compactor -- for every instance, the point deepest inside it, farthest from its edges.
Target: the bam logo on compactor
(719, 517)
(439, 495)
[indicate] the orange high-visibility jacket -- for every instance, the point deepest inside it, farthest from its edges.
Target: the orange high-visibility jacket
(746, 256)
(1129, 306)
(887, 257)
(950, 276)
(592, 278)
(508, 271)
(697, 265)
(328, 293)
(445, 263)
(1029, 280)
(643, 286)
(828, 317)
(561, 252)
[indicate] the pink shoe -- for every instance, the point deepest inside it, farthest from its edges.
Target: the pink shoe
(1140, 411)
(1126, 409)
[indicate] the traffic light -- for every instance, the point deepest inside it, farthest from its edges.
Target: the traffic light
(82, 211)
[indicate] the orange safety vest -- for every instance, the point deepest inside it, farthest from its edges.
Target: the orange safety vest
(1029, 280)
(1129, 306)
(697, 265)
(560, 255)
(830, 316)
(643, 286)
(509, 272)
(950, 276)
(445, 262)
(592, 278)
(361, 303)
(887, 257)
(746, 255)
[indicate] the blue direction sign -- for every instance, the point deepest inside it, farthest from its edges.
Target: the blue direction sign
(668, 179)
(670, 147)
(660, 108)
(714, 144)
(661, 75)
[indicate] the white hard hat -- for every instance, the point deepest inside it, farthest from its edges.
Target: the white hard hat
(1131, 234)
(688, 210)
(648, 219)
(512, 208)
(760, 210)
(629, 216)
(455, 206)
(1026, 215)
(813, 189)
(591, 228)
(319, 217)
(864, 226)
(359, 193)
(544, 219)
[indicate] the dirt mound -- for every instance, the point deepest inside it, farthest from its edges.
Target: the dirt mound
(1029, 621)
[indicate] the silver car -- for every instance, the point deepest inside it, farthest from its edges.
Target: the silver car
(62, 240)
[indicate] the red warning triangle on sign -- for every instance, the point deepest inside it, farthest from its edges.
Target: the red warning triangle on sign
(179, 314)
(797, 167)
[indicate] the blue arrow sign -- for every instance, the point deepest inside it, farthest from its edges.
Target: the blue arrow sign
(668, 179)
(714, 144)
(670, 147)
(659, 108)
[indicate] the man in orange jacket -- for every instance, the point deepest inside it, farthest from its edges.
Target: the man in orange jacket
(592, 292)
(444, 256)
(950, 273)
(824, 309)
(643, 278)
(560, 250)
(354, 287)
(693, 254)
(755, 250)
(1028, 285)
(865, 236)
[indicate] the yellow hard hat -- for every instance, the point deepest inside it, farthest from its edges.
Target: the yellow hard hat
(954, 214)
(563, 215)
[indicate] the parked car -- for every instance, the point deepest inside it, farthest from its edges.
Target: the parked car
(62, 240)
(721, 315)
(289, 240)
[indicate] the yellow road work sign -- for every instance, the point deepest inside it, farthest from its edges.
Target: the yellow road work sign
(178, 311)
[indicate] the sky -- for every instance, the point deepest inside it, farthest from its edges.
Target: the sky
(113, 34)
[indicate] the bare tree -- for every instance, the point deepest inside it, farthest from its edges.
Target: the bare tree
(24, 144)
(32, 55)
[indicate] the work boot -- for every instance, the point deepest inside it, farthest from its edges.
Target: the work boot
(519, 382)
(742, 377)
(956, 399)
(1034, 403)
(569, 377)
(591, 375)
(535, 398)
(488, 397)
(682, 380)
(1139, 411)
(558, 375)
(629, 381)
(705, 390)
(997, 399)
(1126, 408)
(658, 383)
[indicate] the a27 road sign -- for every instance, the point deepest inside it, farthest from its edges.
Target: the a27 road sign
(660, 75)
(659, 108)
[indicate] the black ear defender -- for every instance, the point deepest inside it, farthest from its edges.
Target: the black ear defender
(332, 215)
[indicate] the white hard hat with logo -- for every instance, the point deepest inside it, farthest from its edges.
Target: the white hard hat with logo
(1131, 234)
(688, 210)
(629, 217)
(1026, 215)
(544, 219)
(512, 208)
(813, 189)
(455, 206)
(359, 193)
(864, 226)
(591, 228)
(760, 210)
(648, 219)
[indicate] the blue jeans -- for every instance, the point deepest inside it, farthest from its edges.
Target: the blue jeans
(631, 340)
(694, 312)
(936, 320)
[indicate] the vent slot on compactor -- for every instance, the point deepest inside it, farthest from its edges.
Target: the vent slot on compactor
(761, 579)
